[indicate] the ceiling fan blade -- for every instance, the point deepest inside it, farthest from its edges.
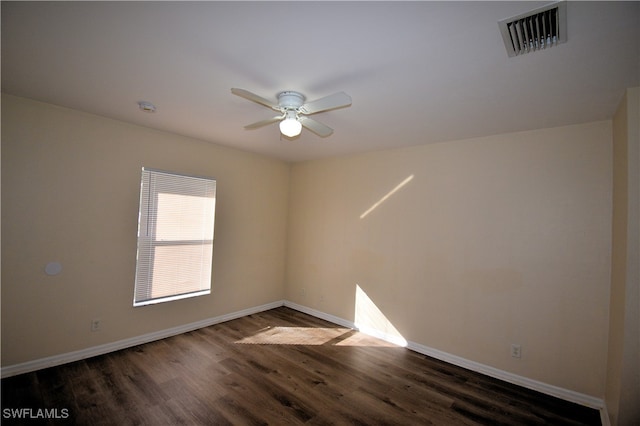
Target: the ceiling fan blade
(263, 122)
(337, 100)
(315, 126)
(255, 98)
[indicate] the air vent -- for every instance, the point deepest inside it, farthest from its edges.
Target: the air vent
(535, 30)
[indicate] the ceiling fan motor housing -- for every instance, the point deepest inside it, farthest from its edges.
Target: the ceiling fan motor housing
(290, 100)
(294, 112)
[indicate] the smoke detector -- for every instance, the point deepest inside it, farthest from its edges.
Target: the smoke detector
(535, 30)
(146, 106)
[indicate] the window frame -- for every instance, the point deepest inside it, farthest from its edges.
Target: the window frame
(147, 235)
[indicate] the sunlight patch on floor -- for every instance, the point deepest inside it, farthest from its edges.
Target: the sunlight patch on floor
(312, 336)
(294, 336)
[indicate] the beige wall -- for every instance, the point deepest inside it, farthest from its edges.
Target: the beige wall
(70, 188)
(623, 363)
(468, 246)
(465, 247)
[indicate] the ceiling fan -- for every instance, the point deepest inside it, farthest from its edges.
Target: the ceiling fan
(294, 111)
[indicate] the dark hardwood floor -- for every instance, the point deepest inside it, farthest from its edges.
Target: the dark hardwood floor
(278, 367)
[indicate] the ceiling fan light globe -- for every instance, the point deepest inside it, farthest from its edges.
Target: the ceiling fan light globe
(290, 127)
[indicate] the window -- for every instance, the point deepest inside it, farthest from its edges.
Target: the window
(175, 237)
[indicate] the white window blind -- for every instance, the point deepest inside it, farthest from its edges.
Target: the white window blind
(175, 237)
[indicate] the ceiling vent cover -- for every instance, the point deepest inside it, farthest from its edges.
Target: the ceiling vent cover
(535, 30)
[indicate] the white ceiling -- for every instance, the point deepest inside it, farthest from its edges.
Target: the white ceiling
(418, 72)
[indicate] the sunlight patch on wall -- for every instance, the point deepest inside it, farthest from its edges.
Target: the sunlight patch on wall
(370, 320)
(384, 198)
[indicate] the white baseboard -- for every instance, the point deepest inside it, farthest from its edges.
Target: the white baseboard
(340, 321)
(525, 382)
(565, 394)
(320, 314)
(52, 361)
(604, 416)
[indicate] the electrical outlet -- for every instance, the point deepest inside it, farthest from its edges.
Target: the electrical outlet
(516, 351)
(96, 324)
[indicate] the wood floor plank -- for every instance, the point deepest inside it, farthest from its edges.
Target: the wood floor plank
(279, 367)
